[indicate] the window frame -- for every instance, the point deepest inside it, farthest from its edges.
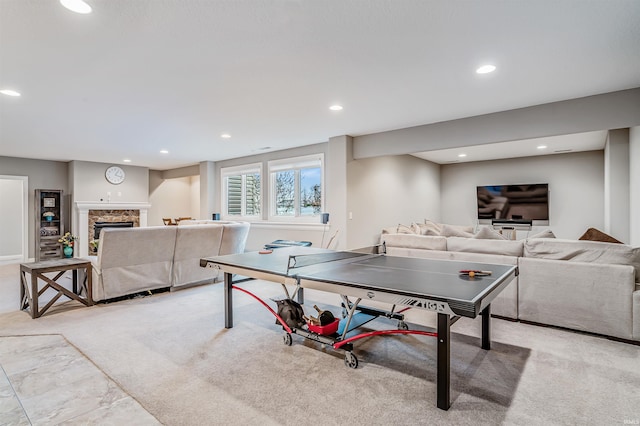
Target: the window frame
(296, 164)
(243, 170)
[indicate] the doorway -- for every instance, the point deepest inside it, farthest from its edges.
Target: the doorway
(14, 215)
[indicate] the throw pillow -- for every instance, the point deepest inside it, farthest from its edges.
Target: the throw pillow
(454, 231)
(432, 227)
(404, 229)
(544, 234)
(486, 233)
(593, 234)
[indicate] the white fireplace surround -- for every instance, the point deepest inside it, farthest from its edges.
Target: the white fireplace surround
(82, 214)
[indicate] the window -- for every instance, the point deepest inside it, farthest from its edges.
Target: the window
(297, 190)
(241, 187)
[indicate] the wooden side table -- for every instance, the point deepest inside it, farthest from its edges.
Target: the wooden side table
(29, 292)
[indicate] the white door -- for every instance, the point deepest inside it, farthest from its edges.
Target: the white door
(14, 203)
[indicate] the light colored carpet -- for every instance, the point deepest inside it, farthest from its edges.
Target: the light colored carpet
(171, 353)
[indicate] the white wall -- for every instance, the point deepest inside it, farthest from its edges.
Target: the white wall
(174, 198)
(385, 191)
(262, 233)
(576, 189)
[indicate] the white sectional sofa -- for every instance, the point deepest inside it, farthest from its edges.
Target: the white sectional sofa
(133, 260)
(581, 285)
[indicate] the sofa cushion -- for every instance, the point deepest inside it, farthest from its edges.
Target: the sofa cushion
(547, 233)
(473, 245)
(431, 227)
(487, 233)
(193, 242)
(593, 234)
(580, 296)
(454, 231)
(402, 229)
(132, 260)
(424, 242)
(584, 251)
(234, 238)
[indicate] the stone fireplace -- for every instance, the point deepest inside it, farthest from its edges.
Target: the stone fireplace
(88, 213)
(103, 218)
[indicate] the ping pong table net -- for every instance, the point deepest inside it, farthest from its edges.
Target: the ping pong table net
(298, 261)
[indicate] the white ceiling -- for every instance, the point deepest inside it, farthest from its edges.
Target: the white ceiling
(138, 76)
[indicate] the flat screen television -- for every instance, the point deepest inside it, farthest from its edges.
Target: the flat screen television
(513, 202)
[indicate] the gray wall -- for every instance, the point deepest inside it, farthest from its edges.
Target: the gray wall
(634, 189)
(385, 191)
(576, 189)
(89, 183)
(42, 175)
(616, 184)
(613, 110)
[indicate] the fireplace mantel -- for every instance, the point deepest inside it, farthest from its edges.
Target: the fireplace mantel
(82, 213)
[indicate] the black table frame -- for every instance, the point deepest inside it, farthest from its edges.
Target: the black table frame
(445, 321)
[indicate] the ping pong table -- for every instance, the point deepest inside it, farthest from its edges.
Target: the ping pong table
(442, 286)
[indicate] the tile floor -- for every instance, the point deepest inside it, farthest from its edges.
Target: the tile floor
(44, 380)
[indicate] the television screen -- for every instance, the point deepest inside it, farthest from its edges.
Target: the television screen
(513, 202)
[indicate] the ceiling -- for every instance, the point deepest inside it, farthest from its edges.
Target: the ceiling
(138, 76)
(576, 142)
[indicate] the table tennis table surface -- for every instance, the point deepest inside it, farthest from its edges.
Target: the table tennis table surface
(407, 280)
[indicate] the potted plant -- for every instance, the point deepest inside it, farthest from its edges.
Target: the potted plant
(67, 243)
(48, 216)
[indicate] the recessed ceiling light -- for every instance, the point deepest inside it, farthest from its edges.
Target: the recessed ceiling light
(462, 155)
(335, 107)
(77, 6)
(9, 92)
(225, 135)
(542, 147)
(126, 160)
(486, 69)
(164, 151)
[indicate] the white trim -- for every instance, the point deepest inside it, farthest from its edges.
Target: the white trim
(246, 168)
(297, 226)
(235, 171)
(82, 211)
(303, 162)
(23, 256)
(295, 164)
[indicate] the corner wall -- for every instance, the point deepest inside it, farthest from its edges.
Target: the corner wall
(385, 191)
(173, 198)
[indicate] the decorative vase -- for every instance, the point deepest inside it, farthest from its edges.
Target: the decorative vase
(68, 251)
(49, 218)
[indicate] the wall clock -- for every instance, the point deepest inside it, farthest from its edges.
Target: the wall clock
(114, 175)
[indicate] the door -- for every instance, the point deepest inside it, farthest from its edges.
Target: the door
(14, 219)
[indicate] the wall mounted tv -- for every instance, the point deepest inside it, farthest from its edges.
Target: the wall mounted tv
(514, 202)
